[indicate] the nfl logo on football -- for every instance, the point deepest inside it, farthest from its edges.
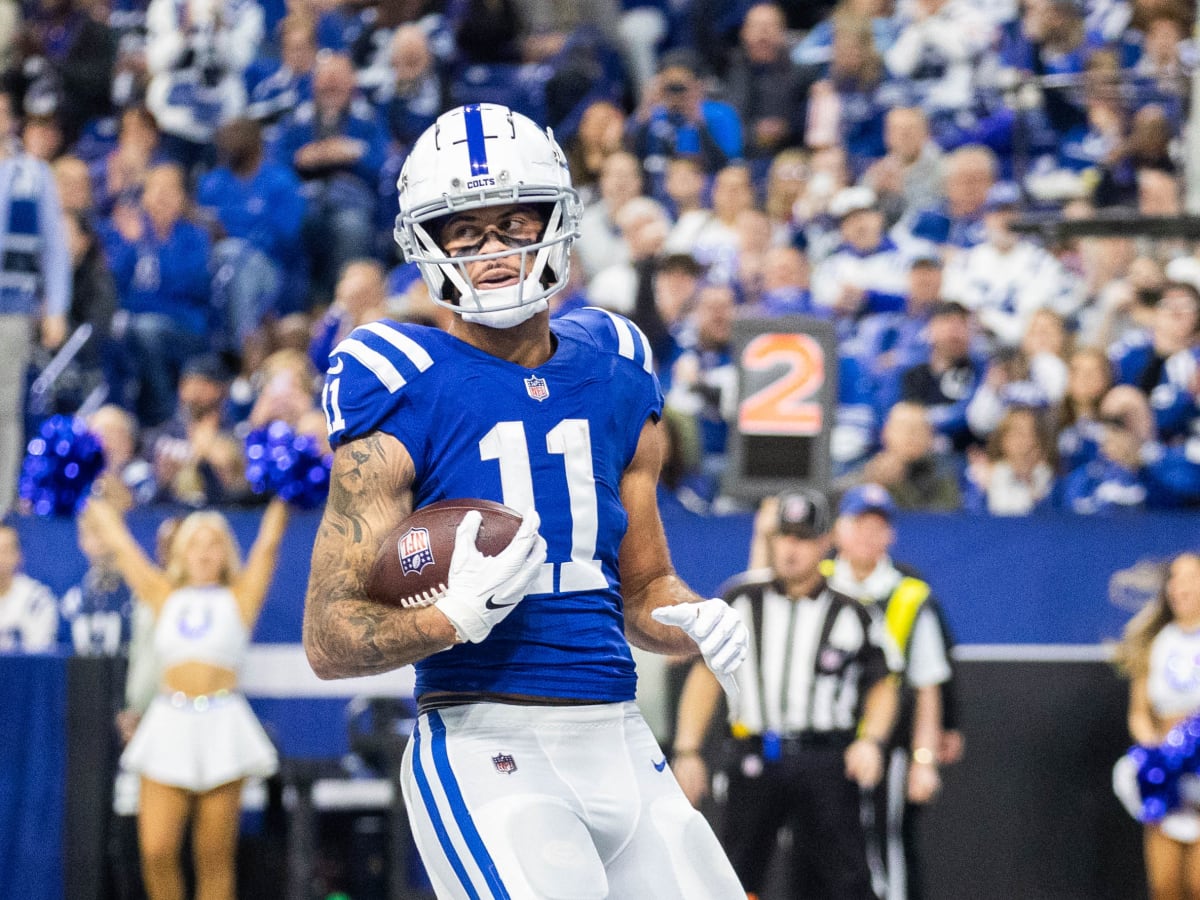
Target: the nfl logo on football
(415, 552)
(504, 763)
(536, 388)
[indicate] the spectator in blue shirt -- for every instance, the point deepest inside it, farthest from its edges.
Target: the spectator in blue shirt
(674, 119)
(290, 85)
(337, 145)
(160, 263)
(956, 222)
(1164, 363)
(258, 261)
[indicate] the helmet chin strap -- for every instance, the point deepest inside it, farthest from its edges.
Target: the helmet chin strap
(499, 306)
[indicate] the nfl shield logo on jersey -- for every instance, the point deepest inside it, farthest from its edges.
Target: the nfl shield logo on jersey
(504, 763)
(415, 552)
(536, 388)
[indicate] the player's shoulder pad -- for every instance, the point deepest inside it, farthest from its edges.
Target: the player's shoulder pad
(383, 354)
(610, 332)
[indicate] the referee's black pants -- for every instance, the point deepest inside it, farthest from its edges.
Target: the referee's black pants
(806, 789)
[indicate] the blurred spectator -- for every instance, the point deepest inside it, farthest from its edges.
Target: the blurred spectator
(1124, 304)
(816, 47)
(599, 136)
(197, 460)
(97, 613)
(909, 176)
(290, 85)
(119, 175)
(956, 222)
(159, 260)
(891, 342)
(256, 208)
(785, 284)
(702, 382)
(866, 273)
(1079, 427)
(715, 241)
(337, 145)
(1146, 148)
(1015, 474)
(766, 89)
(949, 376)
(1111, 482)
(287, 390)
(673, 119)
(817, 229)
(42, 136)
(1161, 73)
(754, 240)
(936, 53)
(1164, 362)
(600, 241)
(1051, 40)
(360, 297)
(546, 27)
(1006, 278)
(28, 610)
(644, 224)
(64, 65)
(915, 475)
(848, 108)
(197, 52)
(74, 183)
(644, 25)
(786, 180)
(416, 91)
(128, 479)
(35, 285)
(93, 297)
(660, 311)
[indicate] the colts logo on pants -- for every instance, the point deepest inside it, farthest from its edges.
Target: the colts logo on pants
(504, 763)
(415, 552)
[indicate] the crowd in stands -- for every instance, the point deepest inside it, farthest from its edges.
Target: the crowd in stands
(223, 173)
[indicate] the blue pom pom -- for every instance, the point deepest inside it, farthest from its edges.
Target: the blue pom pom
(289, 465)
(61, 462)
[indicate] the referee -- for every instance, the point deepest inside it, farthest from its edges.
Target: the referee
(817, 704)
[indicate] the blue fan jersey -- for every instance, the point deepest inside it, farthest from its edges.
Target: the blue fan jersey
(559, 438)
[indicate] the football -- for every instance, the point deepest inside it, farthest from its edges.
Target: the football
(414, 561)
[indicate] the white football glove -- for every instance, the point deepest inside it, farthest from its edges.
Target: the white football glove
(718, 631)
(482, 590)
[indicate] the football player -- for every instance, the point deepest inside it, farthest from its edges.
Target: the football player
(530, 772)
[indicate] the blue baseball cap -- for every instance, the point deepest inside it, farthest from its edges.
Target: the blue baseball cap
(867, 498)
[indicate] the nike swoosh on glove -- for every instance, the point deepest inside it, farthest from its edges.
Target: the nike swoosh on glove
(718, 631)
(482, 590)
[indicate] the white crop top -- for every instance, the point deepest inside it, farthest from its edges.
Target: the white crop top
(1173, 685)
(201, 625)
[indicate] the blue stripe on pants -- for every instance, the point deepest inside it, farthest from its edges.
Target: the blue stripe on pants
(436, 817)
(462, 815)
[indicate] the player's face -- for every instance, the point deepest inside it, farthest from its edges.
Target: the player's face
(204, 557)
(494, 229)
(1183, 588)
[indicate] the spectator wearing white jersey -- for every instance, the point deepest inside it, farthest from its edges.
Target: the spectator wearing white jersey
(1007, 278)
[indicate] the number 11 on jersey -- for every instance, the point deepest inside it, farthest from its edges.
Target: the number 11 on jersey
(571, 439)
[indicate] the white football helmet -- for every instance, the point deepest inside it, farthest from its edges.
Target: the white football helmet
(487, 155)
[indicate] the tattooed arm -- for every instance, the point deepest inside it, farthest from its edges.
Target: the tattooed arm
(345, 634)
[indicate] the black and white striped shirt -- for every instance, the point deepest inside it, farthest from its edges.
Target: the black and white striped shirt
(812, 660)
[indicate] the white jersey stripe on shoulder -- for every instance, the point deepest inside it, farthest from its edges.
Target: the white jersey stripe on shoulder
(416, 354)
(647, 355)
(379, 365)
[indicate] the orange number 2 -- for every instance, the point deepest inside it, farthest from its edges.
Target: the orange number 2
(784, 406)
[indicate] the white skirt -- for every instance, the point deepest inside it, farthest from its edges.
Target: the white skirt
(200, 743)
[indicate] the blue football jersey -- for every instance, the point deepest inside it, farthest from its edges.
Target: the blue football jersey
(559, 438)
